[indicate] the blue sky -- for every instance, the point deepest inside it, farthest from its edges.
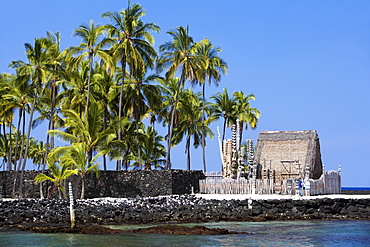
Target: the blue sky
(307, 62)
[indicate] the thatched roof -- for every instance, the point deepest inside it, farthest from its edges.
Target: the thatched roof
(288, 153)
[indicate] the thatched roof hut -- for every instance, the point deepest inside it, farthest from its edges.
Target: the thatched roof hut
(288, 153)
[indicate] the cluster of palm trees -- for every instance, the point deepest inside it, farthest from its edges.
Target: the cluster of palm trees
(104, 97)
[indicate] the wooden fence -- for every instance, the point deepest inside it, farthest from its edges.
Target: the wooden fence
(329, 183)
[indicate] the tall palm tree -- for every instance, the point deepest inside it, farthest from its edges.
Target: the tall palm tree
(247, 115)
(51, 94)
(224, 107)
(16, 95)
(106, 92)
(75, 89)
(37, 152)
(178, 55)
(190, 124)
(89, 131)
(92, 45)
(36, 70)
(153, 153)
(140, 96)
(50, 97)
(133, 44)
(7, 108)
(214, 66)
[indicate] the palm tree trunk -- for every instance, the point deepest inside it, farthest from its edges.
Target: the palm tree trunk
(123, 65)
(8, 150)
(17, 169)
(188, 153)
(91, 58)
(25, 156)
(16, 137)
(105, 127)
(53, 112)
(241, 123)
(223, 134)
(169, 141)
(21, 153)
(203, 131)
(82, 187)
(138, 143)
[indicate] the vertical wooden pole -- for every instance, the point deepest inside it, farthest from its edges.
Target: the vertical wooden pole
(71, 206)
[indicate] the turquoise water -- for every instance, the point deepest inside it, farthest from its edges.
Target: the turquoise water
(287, 233)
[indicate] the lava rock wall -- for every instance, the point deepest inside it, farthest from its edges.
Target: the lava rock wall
(116, 184)
(178, 208)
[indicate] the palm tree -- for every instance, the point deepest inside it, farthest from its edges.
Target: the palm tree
(133, 44)
(91, 46)
(7, 108)
(140, 96)
(213, 67)
(37, 152)
(75, 89)
(52, 97)
(106, 92)
(89, 131)
(75, 157)
(189, 124)
(244, 112)
(153, 153)
(223, 107)
(16, 95)
(49, 98)
(58, 174)
(178, 55)
(36, 70)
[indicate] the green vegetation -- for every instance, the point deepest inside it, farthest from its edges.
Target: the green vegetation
(100, 96)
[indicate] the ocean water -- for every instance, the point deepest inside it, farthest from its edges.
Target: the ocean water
(286, 233)
(356, 188)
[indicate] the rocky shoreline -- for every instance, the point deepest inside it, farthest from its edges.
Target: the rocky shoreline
(102, 230)
(177, 209)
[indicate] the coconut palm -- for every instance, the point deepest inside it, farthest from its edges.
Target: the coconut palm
(133, 44)
(140, 96)
(92, 45)
(87, 131)
(15, 93)
(223, 107)
(247, 115)
(75, 157)
(214, 66)
(178, 55)
(76, 89)
(36, 70)
(58, 174)
(7, 108)
(189, 125)
(37, 152)
(51, 95)
(153, 153)
(105, 92)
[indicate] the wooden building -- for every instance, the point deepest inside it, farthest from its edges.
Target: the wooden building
(288, 154)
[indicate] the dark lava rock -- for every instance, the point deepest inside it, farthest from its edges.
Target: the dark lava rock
(184, 230)
(48, 228)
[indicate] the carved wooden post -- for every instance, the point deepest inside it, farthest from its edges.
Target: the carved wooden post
(234, 164)
(71, 206)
